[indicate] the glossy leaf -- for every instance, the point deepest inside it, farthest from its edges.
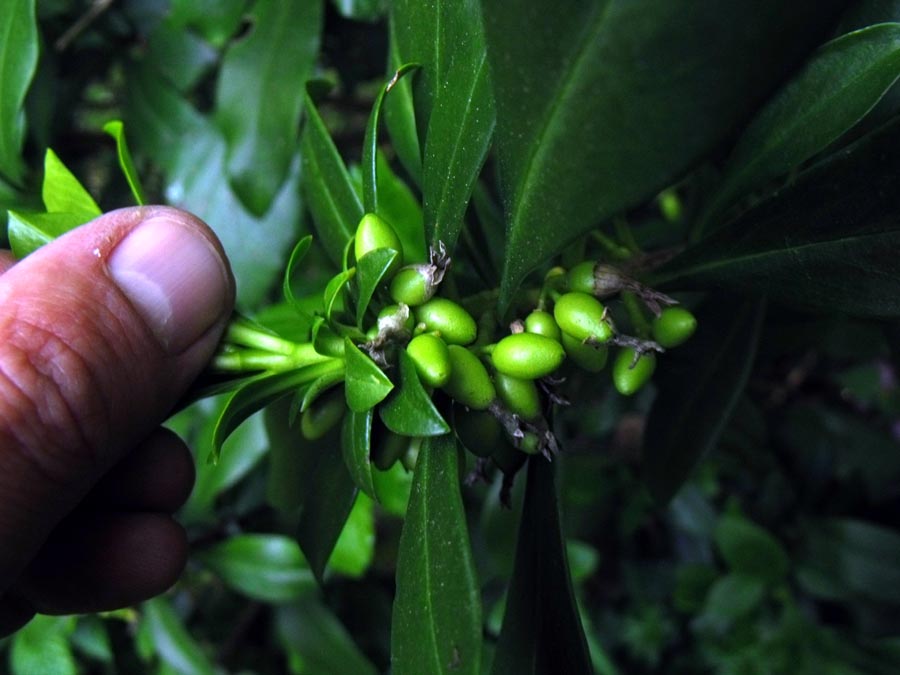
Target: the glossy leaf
(116, 129)
(825, 243)
(354, 549)
(356, 444)
(62, 192)
(436, 626)
(578, 92)
(29, 231)
(371, 273)
(259, 96)
(843, 80)
(333, 290)
(18, 63)
(409, 411)
(316, 388)
(173, 643)
(399, 206)
(751, 550)
(367, 385)
(542, 632)
(336, 209)
(294, 260)
(266, 567)
(400, 115)
(699, 385)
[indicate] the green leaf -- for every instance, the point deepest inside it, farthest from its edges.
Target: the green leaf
(699, 385)
(355, 548)
(42, 646)
(314, 637)
(356, 444)
(825, 243)
(367, 385)
(180, 55)
(29, 231)
(296, 257)
(336, 209)
(18, 64)
(370, 142)
(265, 567)
(172, 642)
(580, 136)
(730, 598)
(436, 626)
(842, 82)
(542, 632)
(399, 206)
(116, 129)
(410, 411)
(400, 115)
(62, 192)
(92, 639)
(371, 272)
(216, 20)
(259, 96)
(333, 290)
(393, 488)
(750, 550)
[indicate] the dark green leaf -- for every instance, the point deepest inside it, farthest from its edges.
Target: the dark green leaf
(42, 646)
(315, 389)
(843, 81)
(116, 129)
(173, 643)
(18, 63)
(580, 136)
(29, 231)
(436, 626)
(333, 290)
(750, 550)
(542, 632)
(371, 272)
(216, 20)
(400, 116)
(699, 385)
(356, 443)
(730, 597)
(92, 639)
(314, 638)
(62, 192)
(266, 567)
(297, 256)
(410, 411)
(393, 488)
(370, 142)
(399, 206)
(367, 385)
(825, 243)
(260, 96)
(180, 55)
(355, 548)
(336, 209)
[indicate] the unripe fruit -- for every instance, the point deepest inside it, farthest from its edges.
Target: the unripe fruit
(597, 279)
(455, 325)
(413, 285)
(520, 397)
(581, 277)
(527, 355)
(374, 233)
(396, 319)
(628, 380)
(581, 316)
(674, 326)
(469, 383)
(586, 357)
(321, 417)
(540, 322)
(432, 359)
(530, 443)
(479, 432)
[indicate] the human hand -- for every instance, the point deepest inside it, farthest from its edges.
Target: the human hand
(101, 332)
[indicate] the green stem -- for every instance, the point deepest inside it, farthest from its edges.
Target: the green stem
(247, 360)
(245, 334)
(613, 249)
(636, 314)
(625, 235)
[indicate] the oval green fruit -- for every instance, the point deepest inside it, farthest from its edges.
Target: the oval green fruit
(674, 326)
(520, 397)
(469, 382)
(479, 432)
(542, 323)
(582, 316)
(628, 379)
(455, 325)
(581, 277)
(413, 285)
(396, 319)
(374, 233)
(586, 357)
(432, 359)
(527, 355)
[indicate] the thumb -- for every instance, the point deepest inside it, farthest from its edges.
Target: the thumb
(101, 332)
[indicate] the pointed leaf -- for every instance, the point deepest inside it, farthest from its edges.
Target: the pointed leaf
(18, 63)
(356, 443)
(367, 385)
(400, 115)
(116, 129)
(296, 257)
(354, 550)
(333, 290)
(843, 80)
(371, 272)
(436, 627)
(542, 631)
(173, 643)
(751, 550)
(62, 192)
(410, 411)
(398, 205)
(259, 95)
(27, 232)
(699, 385)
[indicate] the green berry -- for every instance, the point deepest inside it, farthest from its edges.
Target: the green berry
(597, 279)
(520, 397)
(581, 277)
(413, 285)
(432, 359)
(581, 316)
(455, 325)
(527, 355)
(530, 443)
(586, 357)
(374, 233)
(542, 323)
(479, 432)
(396, 319)
(674, 326)
(322, 415)
(628, 379)
(469, 383)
